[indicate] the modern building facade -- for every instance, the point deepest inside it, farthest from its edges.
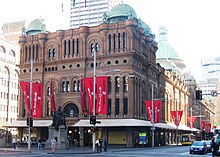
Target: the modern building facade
(9, 85)
(122, 42)
(210, 68)
(89, 12)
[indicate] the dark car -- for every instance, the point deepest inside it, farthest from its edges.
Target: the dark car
(208, 143)
(198, 147)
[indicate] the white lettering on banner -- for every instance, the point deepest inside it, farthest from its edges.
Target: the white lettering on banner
(35, 104)
(100, 99)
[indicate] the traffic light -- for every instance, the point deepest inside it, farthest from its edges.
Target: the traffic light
(198, 95)
(92, 119)
(30, 121)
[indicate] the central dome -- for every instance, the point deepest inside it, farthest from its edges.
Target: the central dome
(36, 26)
(121, 12)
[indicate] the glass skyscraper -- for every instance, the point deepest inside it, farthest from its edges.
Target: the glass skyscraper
(89, 12)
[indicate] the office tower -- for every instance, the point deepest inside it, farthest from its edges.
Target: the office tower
(89, 12)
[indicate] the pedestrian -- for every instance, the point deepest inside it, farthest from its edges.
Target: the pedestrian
(39, 143)
(97, 145)
(53, 144)
(18, 142)
(100, 144)
(105, 144)
(14, 143)
(215, 148)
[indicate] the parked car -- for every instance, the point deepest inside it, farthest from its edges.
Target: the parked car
(198, 147)
(208, 143)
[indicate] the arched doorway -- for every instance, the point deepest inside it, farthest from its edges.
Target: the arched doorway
(72, 111)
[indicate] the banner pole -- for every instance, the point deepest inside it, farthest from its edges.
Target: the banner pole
(30, 114)
(153, 128)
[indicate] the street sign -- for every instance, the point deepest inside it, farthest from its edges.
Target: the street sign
(214, 93)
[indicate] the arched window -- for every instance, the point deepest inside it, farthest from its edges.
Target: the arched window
(119, 40)
(110, 42)
(124, 40)
(117, 84)
(50, 53)
(71, 110)
(54, 53)
(64, 86)
(125, 84)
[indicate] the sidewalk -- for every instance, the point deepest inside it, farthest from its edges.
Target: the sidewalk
(76, 150)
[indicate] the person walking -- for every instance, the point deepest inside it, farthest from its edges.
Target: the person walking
(215, 148)
(14, 143)
(100, 144)
(39, 143)
(53, 144)
(105, 144)
(97, 145)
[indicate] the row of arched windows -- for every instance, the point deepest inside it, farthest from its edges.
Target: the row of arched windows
(117, 41)
(71, 48)
(31, 51)
(75, 86)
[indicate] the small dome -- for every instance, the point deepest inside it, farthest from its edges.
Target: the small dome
(121, 12)
(35, 27)
(147, 29)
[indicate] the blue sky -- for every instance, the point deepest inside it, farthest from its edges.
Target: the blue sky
(193, 25)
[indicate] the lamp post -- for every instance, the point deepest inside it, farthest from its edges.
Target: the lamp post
(153, 127)
(30, 114)
(94, 97)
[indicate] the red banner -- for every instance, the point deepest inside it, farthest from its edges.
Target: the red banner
(176, 116)
(101, 90)
(191, 121)
(25, 87)
(157, 109)
(88, 83)
(82, 93)
(37, 91)
(102, 94)
(203, 125)
(148, 104)
(208, 127)
(52, 99)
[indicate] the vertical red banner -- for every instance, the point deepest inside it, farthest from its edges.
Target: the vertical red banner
(102, 94)
(148, 104)
(52, 97)
(203, 125)
(37, 92)
(191, 121)
(82, 94)
(88, 83)
(25, 87)
(208, 127)
(157, 110)
(176, 116)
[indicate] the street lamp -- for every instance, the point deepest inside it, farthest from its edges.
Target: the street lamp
(152, 103)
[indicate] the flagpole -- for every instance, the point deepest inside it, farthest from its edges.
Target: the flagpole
(153, 128)
(30, 114)
(177, 119)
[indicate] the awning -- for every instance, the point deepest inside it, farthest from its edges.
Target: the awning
(113, 123)
(164, 126)
(183, 127)
(23, 123)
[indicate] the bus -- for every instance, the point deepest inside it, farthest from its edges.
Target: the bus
(187, 139)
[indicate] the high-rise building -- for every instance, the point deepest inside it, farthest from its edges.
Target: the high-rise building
(210, 68)
(89, 12)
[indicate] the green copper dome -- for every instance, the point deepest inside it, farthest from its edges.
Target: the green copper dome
(121, 12)
(35, 27)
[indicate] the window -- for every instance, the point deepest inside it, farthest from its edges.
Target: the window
(124, 40)
(109, 107)
(117, 84)
(125, 84)
(54, 53)
(125, 107)
(116, 107)
(50, 53)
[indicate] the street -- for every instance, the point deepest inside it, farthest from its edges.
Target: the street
(172, 151)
